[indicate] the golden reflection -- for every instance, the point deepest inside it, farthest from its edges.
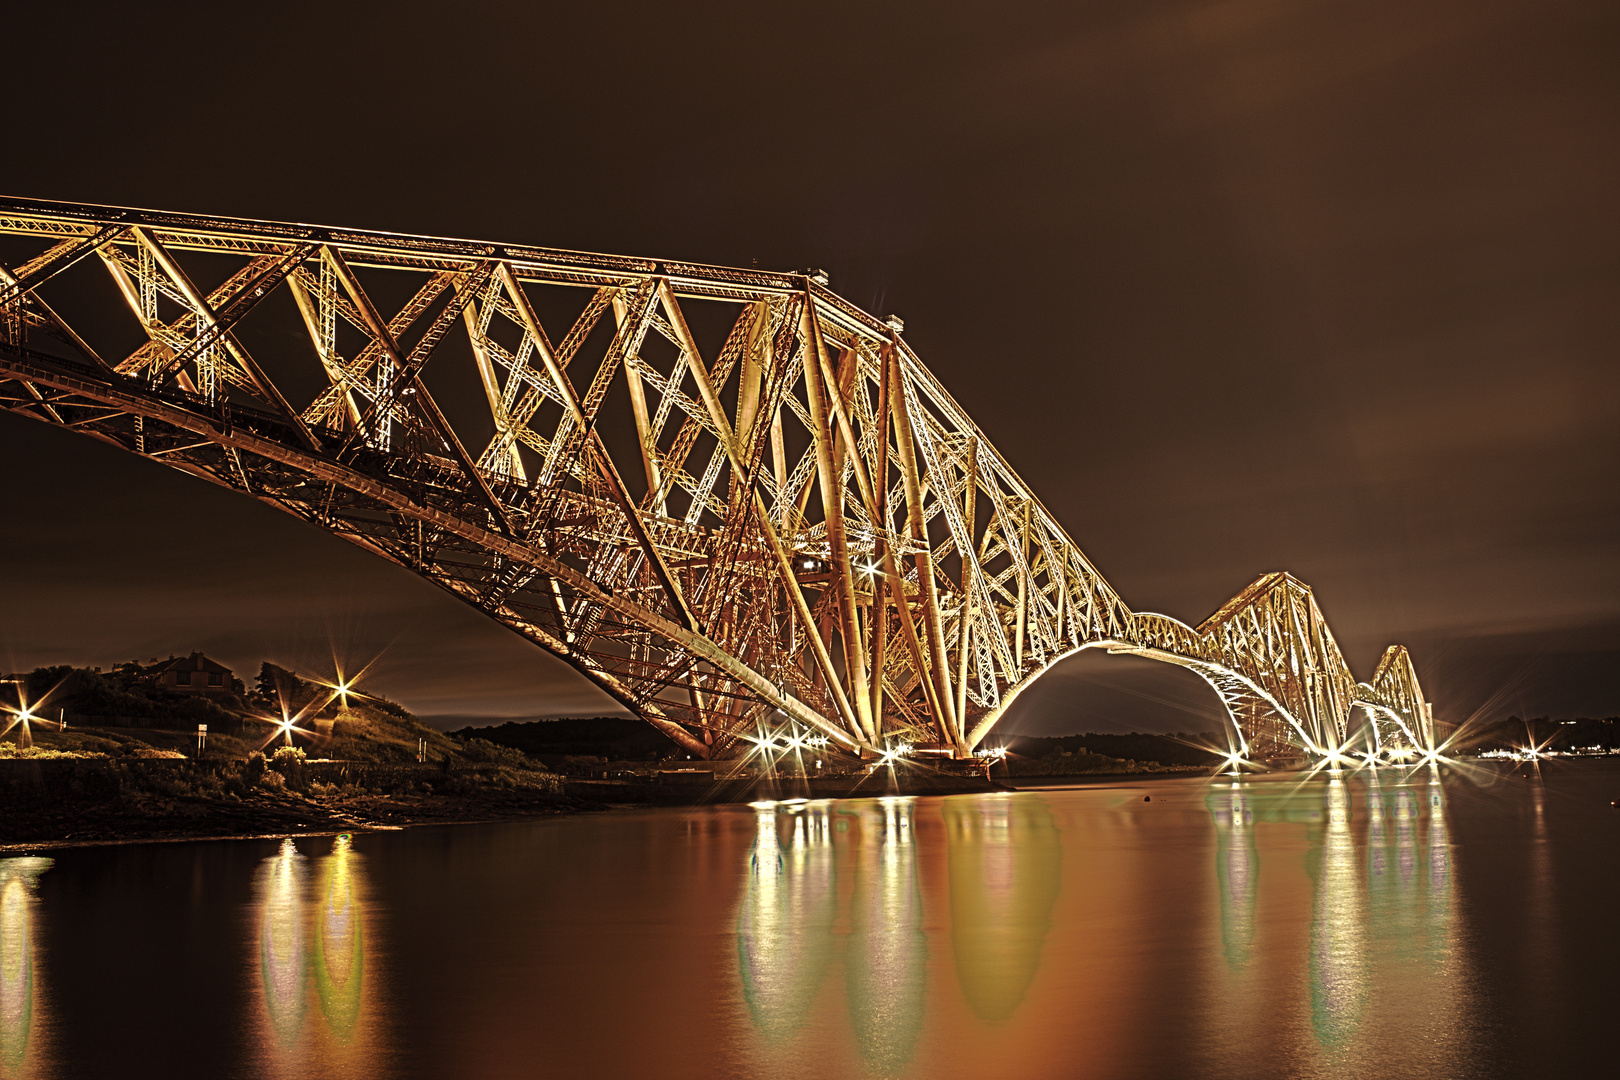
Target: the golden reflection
(339, 941)
(17, 984)
(1005, 871)
(312, 946)
(1237, 867)
(281, 942)
(1337, 947)
(1379, 958)
(1391, 900)
(888, 951)
(1538, 898)
(1437, 923)
(784, 928)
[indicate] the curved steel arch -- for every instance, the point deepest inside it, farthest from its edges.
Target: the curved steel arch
(1248, 706)
(716, 492)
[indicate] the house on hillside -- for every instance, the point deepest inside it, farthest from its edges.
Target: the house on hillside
(195, 674)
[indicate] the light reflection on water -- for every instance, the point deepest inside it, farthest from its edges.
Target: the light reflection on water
(1237, 870)
(282, 961)
(1237, 927)
(786, 924)
(19, 995)
(785, 928)
(1383, 965)
(888, 959)
(311, 971)
(1006, 870)
(1337, 930)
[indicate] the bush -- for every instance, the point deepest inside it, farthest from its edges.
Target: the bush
(253, 770)
(486, 752)
(289, 762)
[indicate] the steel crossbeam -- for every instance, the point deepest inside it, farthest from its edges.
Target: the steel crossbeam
(740, 503)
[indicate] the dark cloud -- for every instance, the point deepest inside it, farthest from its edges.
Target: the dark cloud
(1237, 286)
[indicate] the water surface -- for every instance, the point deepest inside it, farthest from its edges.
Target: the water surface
(1408, 924)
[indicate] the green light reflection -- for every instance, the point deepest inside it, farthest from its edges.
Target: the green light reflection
(1006, 869)
(339, 940)
(18, 878)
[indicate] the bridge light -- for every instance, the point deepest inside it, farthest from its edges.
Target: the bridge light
(1311, 667)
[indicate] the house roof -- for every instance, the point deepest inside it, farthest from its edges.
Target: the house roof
(195, 662)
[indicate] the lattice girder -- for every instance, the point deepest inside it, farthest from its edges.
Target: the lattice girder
(794, 519)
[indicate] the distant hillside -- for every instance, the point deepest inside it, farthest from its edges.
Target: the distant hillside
(1542, 732)
(611, 737)
(1178, 749)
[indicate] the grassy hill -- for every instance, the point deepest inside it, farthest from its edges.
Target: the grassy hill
(126, 712)
(126, 766)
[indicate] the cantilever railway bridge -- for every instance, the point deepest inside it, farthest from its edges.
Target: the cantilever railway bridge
(731, 498)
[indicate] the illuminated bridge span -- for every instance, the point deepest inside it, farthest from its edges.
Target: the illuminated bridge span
(726, 496)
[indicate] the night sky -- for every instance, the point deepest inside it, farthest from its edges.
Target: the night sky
(1236, 286)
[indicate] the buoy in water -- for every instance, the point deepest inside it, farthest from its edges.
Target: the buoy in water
(1147, 798)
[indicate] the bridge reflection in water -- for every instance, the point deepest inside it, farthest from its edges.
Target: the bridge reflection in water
(1238, 866)
(1338, 927)
(794, 921)
(311, 951)
(1006, 868)
(1354, 909)
(18, 991)
(1380, 942)
(1235, 927)
(888, 958)
(785, 928)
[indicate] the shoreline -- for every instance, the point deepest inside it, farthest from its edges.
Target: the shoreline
(328, 827)
(61, 804)
(1036, 783)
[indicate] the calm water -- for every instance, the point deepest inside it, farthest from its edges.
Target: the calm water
(1356, 928)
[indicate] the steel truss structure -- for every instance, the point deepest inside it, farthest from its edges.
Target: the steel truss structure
(790, 524)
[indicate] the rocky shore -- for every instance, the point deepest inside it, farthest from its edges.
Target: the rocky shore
(67, 801)
(71, 801)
